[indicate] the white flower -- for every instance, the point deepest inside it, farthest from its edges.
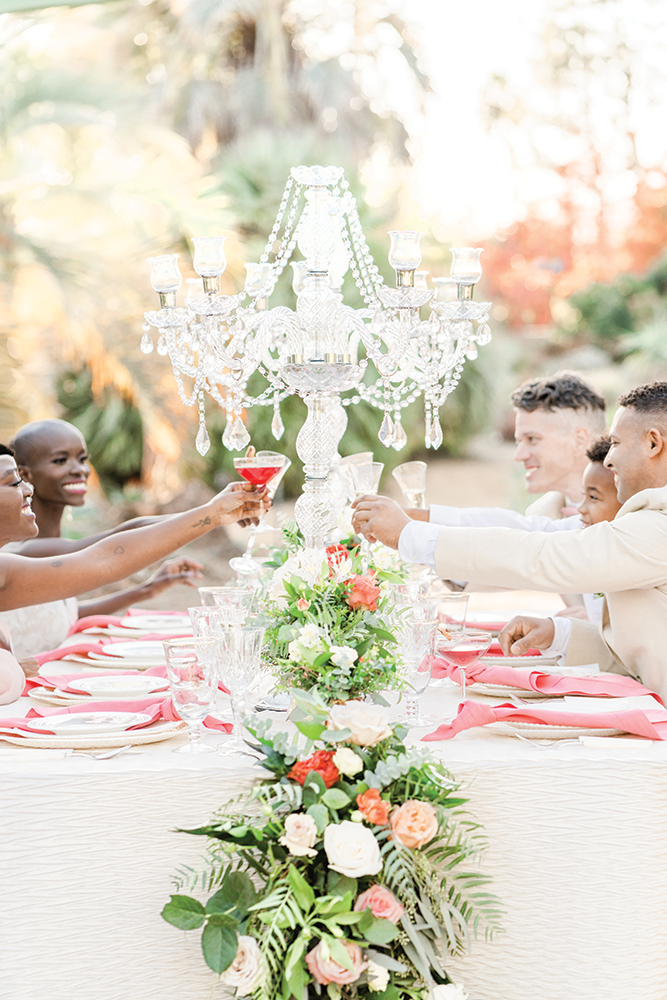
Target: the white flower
(306, 564)
(451, 991)
(343, 656)
(348, 762)
(295, 651)
(378, 977)
(383, 557)
(248, 968)
(352, 849)
(369, 724)
(300, 835)
(309, 635)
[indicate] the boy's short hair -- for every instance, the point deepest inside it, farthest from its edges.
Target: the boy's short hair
(562, 391)
(599, 450)
(5, 450)
(649, 398)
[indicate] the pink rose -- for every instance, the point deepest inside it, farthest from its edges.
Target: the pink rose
(382, 902)
(414, 823)
(302, 604)
(327, 971)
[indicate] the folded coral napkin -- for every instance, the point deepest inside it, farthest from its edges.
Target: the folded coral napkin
(650, 723)
(158, 708)
(613, 685)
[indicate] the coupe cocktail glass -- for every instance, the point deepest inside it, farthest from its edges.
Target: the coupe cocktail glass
(462, 649)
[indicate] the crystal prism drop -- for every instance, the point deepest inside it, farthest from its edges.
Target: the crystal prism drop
(400, 437)
(146, 343)
(226, 434)
(145, 327)
(483, 336)
(162, 345)
(202, 441)
(386, 432)
(436, 434)
(238, 437)
(427, 429)
(471, 352)
(277, 426)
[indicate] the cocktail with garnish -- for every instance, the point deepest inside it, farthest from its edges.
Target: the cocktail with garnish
(461, 649)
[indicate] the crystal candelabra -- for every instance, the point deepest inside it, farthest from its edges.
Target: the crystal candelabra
(322, 348)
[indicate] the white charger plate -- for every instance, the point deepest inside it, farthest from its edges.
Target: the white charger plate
(527, 662)
(142, 649)
(88, 723)
(157, 623)
(156, 733)
(504, 691)
(119, 686)
(50, 696)
(110, 662)
(536, 731)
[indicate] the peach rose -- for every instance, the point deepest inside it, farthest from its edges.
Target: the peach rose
(364, 592)
(302, 604)
(300, 835)
(414, 823)
(325, 970)
(247, 970)
(382, 903)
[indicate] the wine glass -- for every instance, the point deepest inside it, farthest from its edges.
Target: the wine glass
(411, 478)
(462, 649)
(233, 603)
(416, 638)
(366, 479)
(452, 610)
(206, 622)
(192, 673)
(240, 659)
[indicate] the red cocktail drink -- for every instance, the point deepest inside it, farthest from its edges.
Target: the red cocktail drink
(258, 475)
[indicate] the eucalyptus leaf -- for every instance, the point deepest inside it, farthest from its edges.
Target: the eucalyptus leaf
(335, 798)
(184, 912)
(320, 814)
(381, 958)
(381, 931)
(340, 954)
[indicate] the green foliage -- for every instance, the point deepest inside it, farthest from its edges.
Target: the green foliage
(112, 427)
(301, 902)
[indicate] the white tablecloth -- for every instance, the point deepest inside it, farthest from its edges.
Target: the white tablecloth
(577, 849)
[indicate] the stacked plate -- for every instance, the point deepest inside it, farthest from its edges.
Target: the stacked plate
(93, 729)
(137, 654)
(176, 624)
(107, 687)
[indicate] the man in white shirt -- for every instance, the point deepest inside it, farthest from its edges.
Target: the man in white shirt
(625, 558)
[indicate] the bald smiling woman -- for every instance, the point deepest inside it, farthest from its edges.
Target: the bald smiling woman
(29, 581)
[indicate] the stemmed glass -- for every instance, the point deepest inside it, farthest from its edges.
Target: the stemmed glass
(192, 674)
(264, 468)
(366, 479)
(452, 610)
(416, 638)
(411, 478)
(462, 649)
(240, 658)
(233, 603)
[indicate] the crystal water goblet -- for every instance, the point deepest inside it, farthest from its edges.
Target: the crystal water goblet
(240, 661)
(234, 603)
(193, 676)
(416, 638)
(462, 649)
(452, 611)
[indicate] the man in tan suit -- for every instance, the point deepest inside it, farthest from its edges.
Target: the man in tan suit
(625, 558)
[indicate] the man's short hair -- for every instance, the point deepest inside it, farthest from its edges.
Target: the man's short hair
(599, 450)
(4, 450)
(562, 391)
(649, 398)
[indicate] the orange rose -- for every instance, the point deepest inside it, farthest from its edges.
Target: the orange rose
(322, 762)
(373, 808)
(336, 554)
(414, 823)
(364, 592)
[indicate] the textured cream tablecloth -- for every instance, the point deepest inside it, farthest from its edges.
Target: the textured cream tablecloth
(577, 848)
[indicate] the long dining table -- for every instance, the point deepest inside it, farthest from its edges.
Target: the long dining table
(576, 850)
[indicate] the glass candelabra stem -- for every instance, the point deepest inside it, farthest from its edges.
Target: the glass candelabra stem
(316, 446)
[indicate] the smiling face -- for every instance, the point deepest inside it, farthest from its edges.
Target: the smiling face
(57, 464)
(552, 446)
(600, 501)
(17, 520)
(638, 453)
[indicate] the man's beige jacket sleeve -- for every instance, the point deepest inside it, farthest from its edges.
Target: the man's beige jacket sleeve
(586, 645)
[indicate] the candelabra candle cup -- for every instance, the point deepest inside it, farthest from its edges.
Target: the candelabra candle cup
(209, 258)
(451, 611)
(416, 639)
(466, 266)
(404, 253)
(445, 289)
(462, 649)
(193, 677)
(411, 478)
(165, 275)
(240, 658)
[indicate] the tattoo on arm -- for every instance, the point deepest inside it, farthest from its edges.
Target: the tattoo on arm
(57, 564)
(202, 524)
(119, 550)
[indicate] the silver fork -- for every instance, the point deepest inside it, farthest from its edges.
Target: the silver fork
(546, 746)
(106, 755)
